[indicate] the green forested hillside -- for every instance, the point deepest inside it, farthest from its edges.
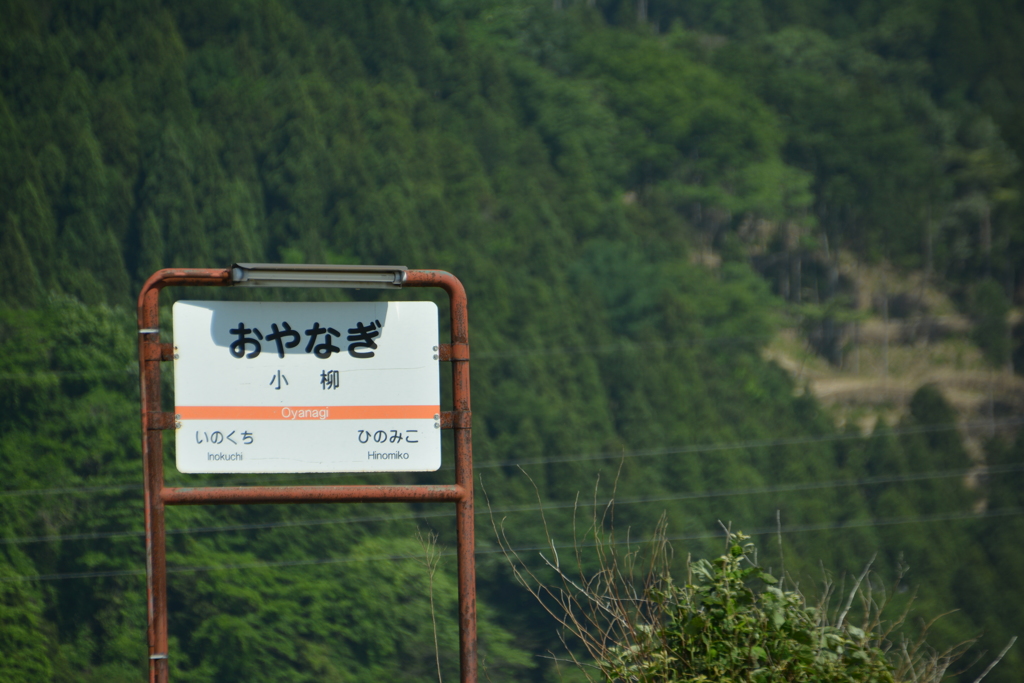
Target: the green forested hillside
(636, 195)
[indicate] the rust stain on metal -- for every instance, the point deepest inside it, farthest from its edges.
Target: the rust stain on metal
(447, 352)
(161, 420)
(158, 351)
(456, 419)
(152, 352)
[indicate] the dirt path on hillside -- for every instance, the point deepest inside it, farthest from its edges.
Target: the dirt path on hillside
(978, 395)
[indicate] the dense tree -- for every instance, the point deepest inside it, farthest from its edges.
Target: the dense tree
(572, 166)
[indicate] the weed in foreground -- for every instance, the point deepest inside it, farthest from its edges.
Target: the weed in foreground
(729, 622)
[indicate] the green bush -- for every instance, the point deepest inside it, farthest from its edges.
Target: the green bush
(730, 622)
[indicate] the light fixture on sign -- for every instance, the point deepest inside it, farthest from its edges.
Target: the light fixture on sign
(300, 275)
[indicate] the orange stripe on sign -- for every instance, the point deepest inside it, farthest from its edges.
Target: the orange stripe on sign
(307, 412)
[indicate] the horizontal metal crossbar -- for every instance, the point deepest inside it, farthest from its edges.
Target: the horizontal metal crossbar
(228, 495)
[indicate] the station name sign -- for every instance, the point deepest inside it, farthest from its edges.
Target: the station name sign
(306, 387)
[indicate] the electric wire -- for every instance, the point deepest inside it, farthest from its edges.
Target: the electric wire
(479, 354)
(788, 529)
(750, 444)
(132, 369)
(701, 448)
(690, 495)
(677, 450)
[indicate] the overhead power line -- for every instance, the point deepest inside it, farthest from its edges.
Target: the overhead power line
(12, 493)
(753, 443)
(131, 369)
(479, 353)
(788, 529)
(690, 495)
(583, 457)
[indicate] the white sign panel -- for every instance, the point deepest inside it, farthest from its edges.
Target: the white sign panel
(306, 387)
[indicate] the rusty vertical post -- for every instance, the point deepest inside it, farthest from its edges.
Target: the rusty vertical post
(154, 420)
(152, 463)
(461, 423)
(465, 514)
(465, 518)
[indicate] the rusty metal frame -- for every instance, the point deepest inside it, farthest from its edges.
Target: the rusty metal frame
(152, 352)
